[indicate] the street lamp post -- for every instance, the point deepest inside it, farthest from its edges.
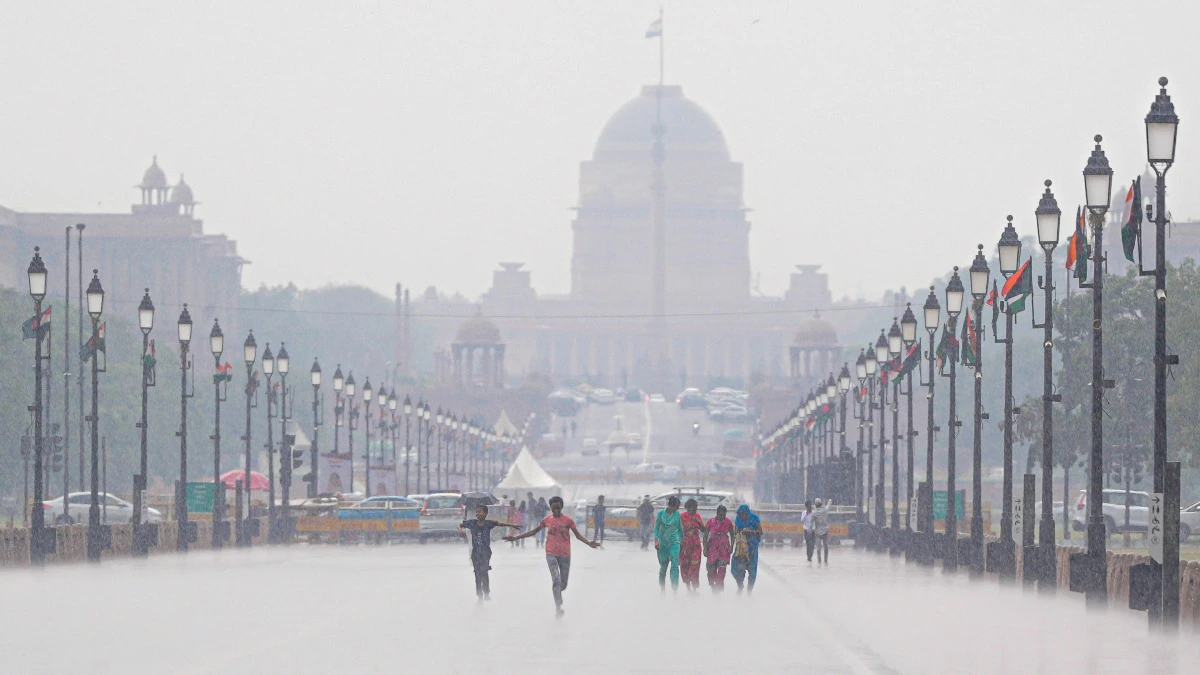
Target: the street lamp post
(1162, 126)
(1009, 250)
(268, 363)
(894, 344)
(908, 333)
(932, 312)
(249, 355)
(286, 461)
(184, 534)
(216, 341)
(1091, 572)
(42, 540)
(872, 365)
(954, 300)
(351, 422)
(440, 434)
(142, 532)
(99, 536)
(367, 391)
(1045, 560)
(980, 276)
(394, 425)
(313, 477)
(860, 372)
(881, 356)
(339, 408)
(427, 415)
(407, 447)
(381, 401)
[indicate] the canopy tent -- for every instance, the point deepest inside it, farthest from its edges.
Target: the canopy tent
(526, 474)
(504, 426)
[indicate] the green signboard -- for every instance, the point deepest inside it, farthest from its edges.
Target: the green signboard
(939, 504)
(200, 498)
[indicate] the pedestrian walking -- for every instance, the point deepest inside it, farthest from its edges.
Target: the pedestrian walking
(745, 548)
(691, 551)
(521, 520)
(480, 536)
(599, 512)
(821, 525)
(543, 510)
(718, 547)
(558, 547)
(668, 534)
(645, 512)
(810, 533)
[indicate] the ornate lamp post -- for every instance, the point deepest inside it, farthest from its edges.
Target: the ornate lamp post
(43, 541)
(908, 334)
(283, 365)
(394, 424)
(1162, 128)
(1090, 572)
(980, 276)
(367, 391)
(99, 536)
(894, 347)
(954, 301)
(881, 357)
(186, 532)
(268, 363)
(216, 342)
(339, 409)
(440, 434)
(427, 416)
(1009, 250)
(381, 401)
(1049, 218)
(313, 477)
(407, 447)
(351, 422)
(860, 372)
(872, 366)
(932, 314)
(143, 534)
(249, 355)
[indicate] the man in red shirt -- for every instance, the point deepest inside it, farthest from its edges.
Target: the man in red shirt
(558, 547)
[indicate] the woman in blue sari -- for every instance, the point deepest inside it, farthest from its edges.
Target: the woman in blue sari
(749, 528)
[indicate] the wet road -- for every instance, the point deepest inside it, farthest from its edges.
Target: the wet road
(312, 609)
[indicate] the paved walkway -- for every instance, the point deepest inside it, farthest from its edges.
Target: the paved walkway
(412, 609)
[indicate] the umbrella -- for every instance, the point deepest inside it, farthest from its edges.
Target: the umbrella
(479, 498)
(257, 480)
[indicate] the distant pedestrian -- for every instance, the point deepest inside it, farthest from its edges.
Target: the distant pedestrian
(542, 510)
(745, 549)
(668, 534)
(691, 550)
(645, 512)
(558, 547)
(821, 525)
(573, 428)
(481, 548)
(718, 547)
(810, 533)
(521, 521)
(599, 512)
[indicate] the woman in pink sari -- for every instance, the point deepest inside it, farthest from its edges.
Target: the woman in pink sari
(718, 547)
(692, 549)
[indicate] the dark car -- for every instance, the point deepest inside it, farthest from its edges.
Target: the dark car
(691, 401)
(634, 396)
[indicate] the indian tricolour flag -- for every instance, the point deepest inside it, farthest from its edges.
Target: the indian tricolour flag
(655, 29)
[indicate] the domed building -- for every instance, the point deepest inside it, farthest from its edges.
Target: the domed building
(478, 337)
(659, 149)
(815, 351)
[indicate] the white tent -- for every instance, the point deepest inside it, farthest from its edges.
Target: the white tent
(527, 474)
(504, 426)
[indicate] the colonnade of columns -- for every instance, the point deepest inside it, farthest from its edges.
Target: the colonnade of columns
(491, 365)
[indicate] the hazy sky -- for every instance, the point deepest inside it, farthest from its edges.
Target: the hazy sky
(375, 142)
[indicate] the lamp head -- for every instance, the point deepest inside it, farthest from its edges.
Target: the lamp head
(980, 274)
(1049, 218)
(314, 373)
(1162, 128)
(216, 340)
(908, 325)
(146, 314)
(860, 367)
(184, 326)
(339, 381)
(282, 362)
(37, 275)
(954, 295)
(895, 338)
(933, 312)
(351, 387)
(1097, 180)
(95, 296)
(881, 347)
(268, 361)
(250, 349)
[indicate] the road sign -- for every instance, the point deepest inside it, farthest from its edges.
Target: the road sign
(939, 504)
(199, 497)
(1018, 518)
(1156, 527)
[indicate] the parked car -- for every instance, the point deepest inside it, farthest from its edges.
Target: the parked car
(1114, 511)
(1189, 521)
(441, 514)
(657, 398)
(735, 414)
(691, 400)
(657, 471)
(112, 510)
(602, 397)
(590, 447)
(634, 396)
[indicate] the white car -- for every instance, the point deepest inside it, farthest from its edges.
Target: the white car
(1189, 521)
(657, 471)
(590, 447)
(1114, 511)
(112, 510)
(657, 398)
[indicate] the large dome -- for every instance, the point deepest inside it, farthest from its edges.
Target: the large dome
(478, 330)
(688, 127)
(816, 333)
